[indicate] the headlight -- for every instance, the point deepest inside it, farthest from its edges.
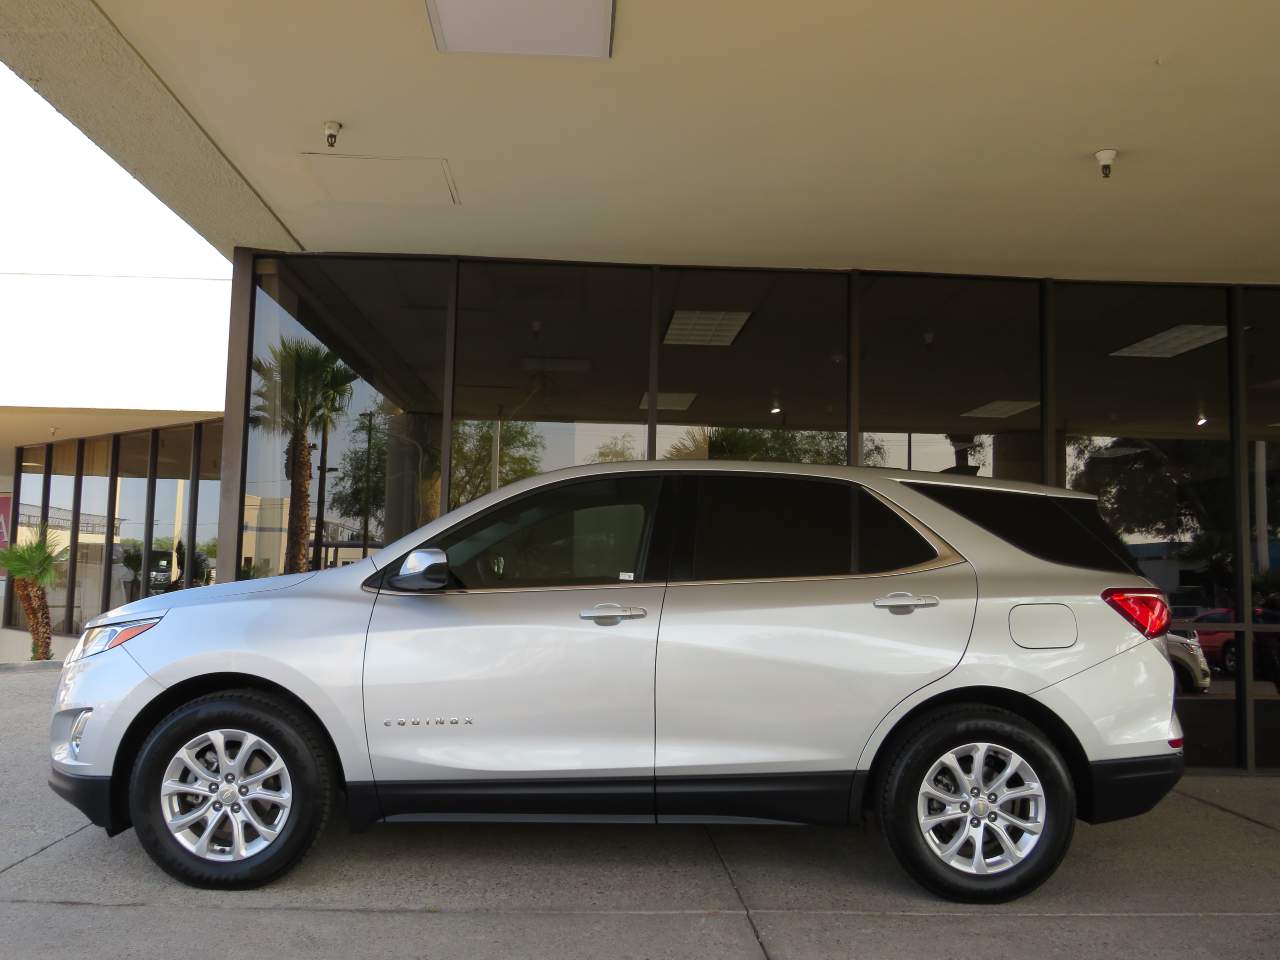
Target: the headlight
(98, 639)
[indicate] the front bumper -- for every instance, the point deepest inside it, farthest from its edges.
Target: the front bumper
(90, 795)
(1126, 788)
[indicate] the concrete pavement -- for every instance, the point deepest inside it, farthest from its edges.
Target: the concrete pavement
(1199, 876)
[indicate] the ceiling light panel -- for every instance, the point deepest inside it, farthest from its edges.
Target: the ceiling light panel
(1000, 409)
(705, 328)
(669, 401)
(558, 28)
(1174, 341)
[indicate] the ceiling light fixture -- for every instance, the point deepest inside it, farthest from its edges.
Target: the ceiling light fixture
(562, 28)
(705, 328)
(1000, 409)
(775, 406)
(669, 401)
(1201, 420)
(1176, 340)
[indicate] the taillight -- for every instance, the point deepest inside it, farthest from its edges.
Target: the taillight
(1145, 609)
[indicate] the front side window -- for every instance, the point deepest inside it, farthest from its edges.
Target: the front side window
(591, 533)
(751, 527)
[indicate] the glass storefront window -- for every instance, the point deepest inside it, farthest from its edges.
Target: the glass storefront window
(1143, 424)
(62, 485)
(950, 375)
(1262, 401)
(169, 521)
(30, 506)
(210, 490)
(552, 369)
(131, 511)
(724, 390)
(347, 411)
(95, 485)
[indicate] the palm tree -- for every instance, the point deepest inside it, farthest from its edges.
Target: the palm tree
(303, 388)
(32, 565)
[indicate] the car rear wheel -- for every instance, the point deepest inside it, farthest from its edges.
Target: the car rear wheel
(231, 789)
(1229, 659)
(977, 804)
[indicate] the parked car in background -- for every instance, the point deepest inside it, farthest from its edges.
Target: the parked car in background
(1189, 664)
(976, 661)
(1219, 646)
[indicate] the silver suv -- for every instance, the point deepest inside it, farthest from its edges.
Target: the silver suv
(976, 662)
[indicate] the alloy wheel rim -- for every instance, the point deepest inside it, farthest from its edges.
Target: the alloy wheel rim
(226, 795)
(981, 808)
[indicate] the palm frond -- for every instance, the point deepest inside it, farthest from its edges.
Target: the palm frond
(35, 560)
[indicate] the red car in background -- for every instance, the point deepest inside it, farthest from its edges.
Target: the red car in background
(1220, 647)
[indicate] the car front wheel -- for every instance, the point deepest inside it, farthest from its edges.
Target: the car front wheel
(977, 804)
(231, 789)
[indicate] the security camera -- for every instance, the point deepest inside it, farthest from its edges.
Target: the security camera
(1105, 159)
(331, 128)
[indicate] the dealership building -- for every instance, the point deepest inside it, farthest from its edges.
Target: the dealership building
(477, 241)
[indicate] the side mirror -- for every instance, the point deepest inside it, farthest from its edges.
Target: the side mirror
(426, 569)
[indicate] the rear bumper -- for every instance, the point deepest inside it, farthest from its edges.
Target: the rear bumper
(1126, 788)
(90, 795)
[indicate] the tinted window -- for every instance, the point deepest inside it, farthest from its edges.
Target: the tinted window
(1058, 529)
(756, 527)
(579, 534)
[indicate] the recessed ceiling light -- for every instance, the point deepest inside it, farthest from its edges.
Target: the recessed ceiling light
(775, 406)
(561, 28)
(1201, 420)
(705, 328)
(669, 401)
(999, 409)
(1174, 341)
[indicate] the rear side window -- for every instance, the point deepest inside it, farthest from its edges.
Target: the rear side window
(760, 527)
(1065, 530)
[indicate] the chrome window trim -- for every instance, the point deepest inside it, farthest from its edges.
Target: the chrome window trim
(945, 555)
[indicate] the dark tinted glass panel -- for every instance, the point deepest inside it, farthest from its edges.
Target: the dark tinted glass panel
(346, 411)
(950, 375)
(752, 527)
(577, 534)
(753, 365)
(759, 527)
(1144, 425)
(552, 368)
(1045, 527)
(131, 507)
(883, 540)
(92, 538)
(1262, 365)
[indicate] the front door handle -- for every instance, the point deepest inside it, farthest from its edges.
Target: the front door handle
(607, 614)
(904, 602)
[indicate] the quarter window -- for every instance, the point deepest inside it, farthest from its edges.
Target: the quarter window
(760, 527)
(591, 533)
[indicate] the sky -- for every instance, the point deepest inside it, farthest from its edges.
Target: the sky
(107, 298)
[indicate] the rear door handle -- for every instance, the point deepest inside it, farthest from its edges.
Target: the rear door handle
(904, 601)
(610, 613)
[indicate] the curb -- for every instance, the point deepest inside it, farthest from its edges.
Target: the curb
(30, 666)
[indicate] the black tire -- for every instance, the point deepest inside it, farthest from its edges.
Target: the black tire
(1229, 659)
(300, 744)
(914, 753)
